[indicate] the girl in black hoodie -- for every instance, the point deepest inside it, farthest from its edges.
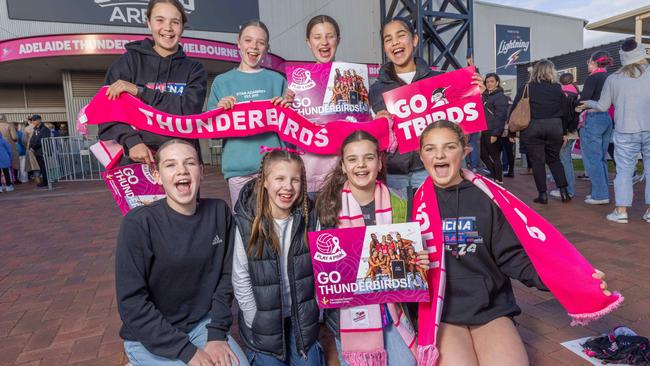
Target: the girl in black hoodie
(482, 254)
(157, 71)
(400, 42)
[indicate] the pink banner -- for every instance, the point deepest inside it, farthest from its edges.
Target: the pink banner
(245, 119)
(132, 186)
(113, 44)
(368, 265)
(331, 91)
(449, 96)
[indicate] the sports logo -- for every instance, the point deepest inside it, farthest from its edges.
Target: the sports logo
(301, 80)
(329, 249)
(438, 97)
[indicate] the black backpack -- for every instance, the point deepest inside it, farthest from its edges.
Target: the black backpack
(572, 116)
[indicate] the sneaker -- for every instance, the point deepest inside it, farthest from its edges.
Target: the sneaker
(646, 216)
(9, 188)
(556, 193)
(615, 216)
(637, 178)
(592, 201)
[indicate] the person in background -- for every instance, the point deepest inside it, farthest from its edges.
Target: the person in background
(596, 134)
(627, 90)
(8, 131)
(5, 165)
(36, 146)
(22, 176)
(571, 125)
(496, 107)
(545, 135)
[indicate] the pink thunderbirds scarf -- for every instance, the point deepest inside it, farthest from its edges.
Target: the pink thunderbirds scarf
(364, 345)
(560, 266)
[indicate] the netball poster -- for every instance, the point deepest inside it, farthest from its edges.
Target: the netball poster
(368, 265)
(132, 186)
(334, 91)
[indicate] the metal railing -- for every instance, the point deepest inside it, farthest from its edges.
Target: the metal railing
(69, 159)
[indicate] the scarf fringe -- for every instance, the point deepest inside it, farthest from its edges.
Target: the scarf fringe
(374, 358)
(428, 355)
(584, 319)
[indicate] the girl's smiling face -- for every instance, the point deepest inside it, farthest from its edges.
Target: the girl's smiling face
(399, 44)
(283, 184)
(323, 42)
(442, 153)
(361, 164)
(253, 45)
(166, 26)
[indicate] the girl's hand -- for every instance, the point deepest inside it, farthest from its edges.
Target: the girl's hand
(581, 107)
(286, 100)
(478, 80)
(120, 87)
(141, 154)
(227, 102)
(493, 139)
(603, 285)
(423, 259)
(383, 114)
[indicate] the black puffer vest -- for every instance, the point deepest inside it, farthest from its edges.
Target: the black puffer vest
(267, 333)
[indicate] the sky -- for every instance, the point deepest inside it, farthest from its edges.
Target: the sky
(591, 10)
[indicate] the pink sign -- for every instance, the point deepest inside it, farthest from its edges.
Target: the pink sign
(113, 44)
(368, 265)
(449, 96)
(132, 186)
(330, 92)
(245, 119)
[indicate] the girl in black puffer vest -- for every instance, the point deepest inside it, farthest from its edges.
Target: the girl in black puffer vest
(272, 274)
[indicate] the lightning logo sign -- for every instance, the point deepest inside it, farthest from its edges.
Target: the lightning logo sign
(512, 48)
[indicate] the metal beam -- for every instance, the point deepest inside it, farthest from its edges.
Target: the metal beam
(434, 21)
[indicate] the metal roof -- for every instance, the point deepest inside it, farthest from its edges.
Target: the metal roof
(622, 23)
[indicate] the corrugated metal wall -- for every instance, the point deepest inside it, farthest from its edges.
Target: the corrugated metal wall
(80, 88)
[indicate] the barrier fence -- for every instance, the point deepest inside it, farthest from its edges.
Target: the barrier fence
(69, 159)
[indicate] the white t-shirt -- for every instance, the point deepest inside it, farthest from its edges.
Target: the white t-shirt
(407, 76)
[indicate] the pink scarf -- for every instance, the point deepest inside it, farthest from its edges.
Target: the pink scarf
(363, 345)
(559, 265)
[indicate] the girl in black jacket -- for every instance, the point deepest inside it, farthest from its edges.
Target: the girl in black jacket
(496, 107)
(157, 71)
(272, 274)
(399, 42)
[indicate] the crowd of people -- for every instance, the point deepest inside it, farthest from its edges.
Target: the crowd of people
(21, 152)
(182, 260)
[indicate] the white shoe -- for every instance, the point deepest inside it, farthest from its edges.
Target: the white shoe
(556, 193)
(646, 216)
(9, 188)
(620, 218)
(592, 201)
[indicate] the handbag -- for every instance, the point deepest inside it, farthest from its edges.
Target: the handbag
(520, 116)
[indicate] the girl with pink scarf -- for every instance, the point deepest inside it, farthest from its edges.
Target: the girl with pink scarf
(352, 196)
(478, 237)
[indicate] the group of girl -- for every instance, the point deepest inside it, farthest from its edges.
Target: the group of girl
(180, 260)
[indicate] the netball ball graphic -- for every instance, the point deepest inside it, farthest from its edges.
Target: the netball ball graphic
(328, 248)
(301, 80)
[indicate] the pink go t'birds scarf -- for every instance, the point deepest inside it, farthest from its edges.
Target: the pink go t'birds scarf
(565, 272)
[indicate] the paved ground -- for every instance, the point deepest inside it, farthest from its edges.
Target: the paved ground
(57, 303)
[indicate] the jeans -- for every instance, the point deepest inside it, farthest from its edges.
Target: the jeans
(627, 147)
(595, 138)
(567, 162)
(543, 141)
(397, 351)
(413, 179)
(508, 156)
(139, 356)
(314, 356)
(474, 155)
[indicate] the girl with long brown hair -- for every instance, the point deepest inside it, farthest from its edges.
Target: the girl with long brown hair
(272, 274)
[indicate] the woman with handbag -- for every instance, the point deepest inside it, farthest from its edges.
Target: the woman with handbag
(544, 136)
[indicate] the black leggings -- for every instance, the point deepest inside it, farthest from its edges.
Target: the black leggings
(5, 172)
(491, 155)
(543, 140)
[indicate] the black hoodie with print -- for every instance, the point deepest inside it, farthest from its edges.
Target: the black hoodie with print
(174, 84)
(479, 265)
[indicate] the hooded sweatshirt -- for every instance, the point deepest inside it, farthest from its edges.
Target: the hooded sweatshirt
(174, 84)
(482, 260)
(387, 80)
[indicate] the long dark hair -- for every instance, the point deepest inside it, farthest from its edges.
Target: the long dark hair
(328, 203)
(177, 4)
(263, 228)
(409, 28)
